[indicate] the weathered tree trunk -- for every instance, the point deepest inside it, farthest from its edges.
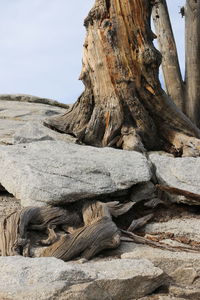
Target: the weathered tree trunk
(123, 104)
(167, 45)
(192, 77)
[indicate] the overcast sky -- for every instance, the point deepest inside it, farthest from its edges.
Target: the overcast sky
(41, 46)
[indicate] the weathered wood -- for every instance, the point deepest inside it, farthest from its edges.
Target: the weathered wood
(192, 75)
(194, 198)
(83, 234)
(14, 229)
(98, 233)
(138, 223)
(123, 104)
(167, 45)
(153, 203)
(142, 240)
(117, 209)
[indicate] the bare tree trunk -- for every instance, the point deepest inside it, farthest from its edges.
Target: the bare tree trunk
(167, 45)
(123, 104)
(192, 77)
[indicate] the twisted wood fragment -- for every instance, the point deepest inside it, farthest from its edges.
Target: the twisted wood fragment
(14, 229)
(86, 234)
(98, 233)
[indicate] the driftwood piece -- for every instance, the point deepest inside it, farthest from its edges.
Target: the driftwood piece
(99, 233)
(85, 233)
(136, 224)
(153, 203)
(14, 229)
(117, 209)
(9, 235)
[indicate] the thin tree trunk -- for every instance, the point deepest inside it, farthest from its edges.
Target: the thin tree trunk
(167, 45)
(192, 77)
(123, 104)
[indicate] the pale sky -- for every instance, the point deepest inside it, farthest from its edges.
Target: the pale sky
(41, 46)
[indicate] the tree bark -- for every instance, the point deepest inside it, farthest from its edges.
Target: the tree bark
(123, 104)
(167, 45)
(192, 76)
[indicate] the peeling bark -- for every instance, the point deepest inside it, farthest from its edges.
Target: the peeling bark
(123, 104)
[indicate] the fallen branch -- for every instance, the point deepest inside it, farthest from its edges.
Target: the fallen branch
(176, 191)
(141, 240)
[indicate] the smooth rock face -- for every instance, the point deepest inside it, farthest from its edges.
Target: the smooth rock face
(182, 173)
(49, 278)
(51, 172)
(15, 114)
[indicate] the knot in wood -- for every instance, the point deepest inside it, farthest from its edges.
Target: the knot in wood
(151, 56)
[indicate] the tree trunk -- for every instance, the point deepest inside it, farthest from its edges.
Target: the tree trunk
(123, 104)
(192, 77)
(167, 45)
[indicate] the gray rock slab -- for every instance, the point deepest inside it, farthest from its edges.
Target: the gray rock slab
(48, 278)
(53, 172)
(31, 99)
(184, 227)
(182, 173)
(34, 131)
(15, 114)
(168, 261)
(182, 268)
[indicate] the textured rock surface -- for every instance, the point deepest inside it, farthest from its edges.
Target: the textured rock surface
(182, 173)
(185, 292)
(35, 131)
(55, 172)
(15, 114)
(187, 228)
(182, 269)
(31, 99)
(49, 278)
(168, 261)
(161, 297)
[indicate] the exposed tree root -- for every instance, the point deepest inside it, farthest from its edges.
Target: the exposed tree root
(123, 104)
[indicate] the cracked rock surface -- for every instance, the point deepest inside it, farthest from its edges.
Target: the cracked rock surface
(49, 278)
(53, 172)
